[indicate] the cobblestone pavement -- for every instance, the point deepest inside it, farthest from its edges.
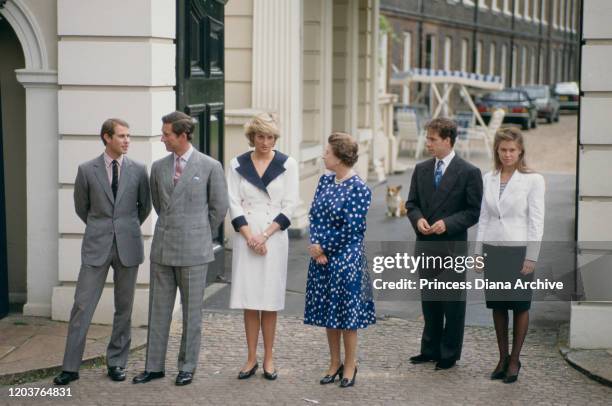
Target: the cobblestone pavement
(385, 376)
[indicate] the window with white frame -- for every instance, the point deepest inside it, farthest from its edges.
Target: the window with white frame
(430, 51)
(483, 4)
(517, 9)
(492, 58)
(562, 22)
(543, 14)
(555, 13)
(469, 3)
(503, 63)
(407, 64)
(514, 62)
(536, 10)
(527, 10)
(464, 54)
(524, 65)
(507, 7)
(479, 57)
(541, 68)
(575, 15)
(495, 5)
(532, 67)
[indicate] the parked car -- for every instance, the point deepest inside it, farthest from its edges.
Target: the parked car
(546, 104)
(518, 106)
(568, 95)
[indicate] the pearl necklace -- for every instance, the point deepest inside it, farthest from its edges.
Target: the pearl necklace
(347, 176)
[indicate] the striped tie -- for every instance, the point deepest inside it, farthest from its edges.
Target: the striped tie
(178, 170)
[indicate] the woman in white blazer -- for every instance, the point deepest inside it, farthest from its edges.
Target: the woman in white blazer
(263, 192)
(509, 234)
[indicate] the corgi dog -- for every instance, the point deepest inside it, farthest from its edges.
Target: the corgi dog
(396, 206)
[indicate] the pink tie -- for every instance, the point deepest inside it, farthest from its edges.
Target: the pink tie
(178, 171)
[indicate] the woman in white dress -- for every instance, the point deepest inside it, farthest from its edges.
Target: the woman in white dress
(263, 191)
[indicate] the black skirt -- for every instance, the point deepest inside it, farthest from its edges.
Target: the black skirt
(504, 264)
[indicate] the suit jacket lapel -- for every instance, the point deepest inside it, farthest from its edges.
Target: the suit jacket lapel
(494, 186)
(428, 185)
(103, 178)
(451, 174)
(124, 178)
(514, 181)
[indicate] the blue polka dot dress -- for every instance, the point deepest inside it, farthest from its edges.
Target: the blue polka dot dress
(339, 294)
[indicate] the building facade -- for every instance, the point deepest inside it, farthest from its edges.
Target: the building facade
(69, 64)
(523, 41)
(591, 319)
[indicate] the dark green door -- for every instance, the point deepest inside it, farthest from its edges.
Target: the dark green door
(4, 302)
(200, 81)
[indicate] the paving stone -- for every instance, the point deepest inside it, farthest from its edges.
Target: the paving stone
(385, 376)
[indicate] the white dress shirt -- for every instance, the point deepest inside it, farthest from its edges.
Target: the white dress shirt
(447, 160)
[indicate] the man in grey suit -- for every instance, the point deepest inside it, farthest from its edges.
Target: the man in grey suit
(112, 197)
(190, 197)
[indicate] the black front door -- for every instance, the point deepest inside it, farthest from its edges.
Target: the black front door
(4, 301)
(200, 81)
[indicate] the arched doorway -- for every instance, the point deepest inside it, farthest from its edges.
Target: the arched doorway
(13, 224)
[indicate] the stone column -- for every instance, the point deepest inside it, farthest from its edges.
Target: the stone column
(41, 178)
(277, 74)
(590, 325)
(125, 69)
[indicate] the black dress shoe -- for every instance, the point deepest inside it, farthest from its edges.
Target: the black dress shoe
(512, 378)
(116, 373)
(249, 373)
(445, 364)
(65, 378)
(270, 376)
(501, 374)
(331, 378)
(183, 378)
(345, 383)
(421, 358)
(147, 376)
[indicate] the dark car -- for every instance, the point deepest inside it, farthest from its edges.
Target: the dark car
(568, 95)
(546, 104)
(519, 107)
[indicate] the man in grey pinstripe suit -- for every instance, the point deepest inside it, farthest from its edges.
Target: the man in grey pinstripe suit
(189, 194)
(112, 198)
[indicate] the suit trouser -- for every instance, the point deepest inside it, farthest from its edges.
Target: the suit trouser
(191, 281)
(443, 331)
(86, 297)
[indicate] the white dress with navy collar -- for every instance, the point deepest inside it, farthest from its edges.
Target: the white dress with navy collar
(258, 282)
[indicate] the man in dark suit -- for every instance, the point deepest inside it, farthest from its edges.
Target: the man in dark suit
(443, 202)
(112, 198)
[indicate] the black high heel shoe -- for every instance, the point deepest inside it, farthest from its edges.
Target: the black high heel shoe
(249, 373)
(345, 383)
(513, 378)
(501, 374)
(331, 378)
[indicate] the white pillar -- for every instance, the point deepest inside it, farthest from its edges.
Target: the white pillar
(41, 178)
(277, 74)
(277, 66)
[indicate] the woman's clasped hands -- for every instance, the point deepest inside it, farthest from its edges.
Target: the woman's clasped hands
(258, 244)
(316, 252)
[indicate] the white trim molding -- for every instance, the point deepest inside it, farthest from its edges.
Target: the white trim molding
(28, 32)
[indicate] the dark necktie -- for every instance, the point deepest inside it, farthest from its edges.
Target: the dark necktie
(115, 181)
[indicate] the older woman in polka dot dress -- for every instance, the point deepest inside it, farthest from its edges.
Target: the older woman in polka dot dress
(338, 290)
